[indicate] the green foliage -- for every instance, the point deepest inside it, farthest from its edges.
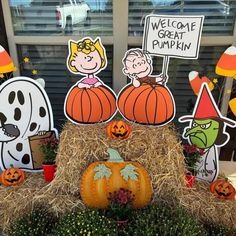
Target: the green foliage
(163, 221)
(118, 117)
(219, 230)
(85, 223)
(154, 220)
(192, 157)
(49, 148)
(37, 223)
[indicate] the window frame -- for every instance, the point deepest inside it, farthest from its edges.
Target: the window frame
(120, 41)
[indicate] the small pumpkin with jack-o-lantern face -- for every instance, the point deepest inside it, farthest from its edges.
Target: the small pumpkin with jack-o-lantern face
(223, 189)
(118, 130)
(12, 176)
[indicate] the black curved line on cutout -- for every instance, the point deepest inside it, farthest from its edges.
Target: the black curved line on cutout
(136, 101)
(12, 156)
(31, 112)
(107, 99)
(100, 105)
(90, 104)
(146, 113)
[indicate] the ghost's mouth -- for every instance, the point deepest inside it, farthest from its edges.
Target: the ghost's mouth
(11, 130)
(13, 180)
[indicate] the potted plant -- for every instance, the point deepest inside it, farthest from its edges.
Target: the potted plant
(49, 148)
(120, 205)
(192, 156)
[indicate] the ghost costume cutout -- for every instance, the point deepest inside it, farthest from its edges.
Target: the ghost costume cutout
(208, 167)
(27, 111)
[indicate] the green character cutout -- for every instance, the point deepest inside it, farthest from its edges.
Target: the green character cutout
(207, 131)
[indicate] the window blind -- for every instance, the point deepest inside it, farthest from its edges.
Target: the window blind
(61, 17)
(50, 62)
(219, 14)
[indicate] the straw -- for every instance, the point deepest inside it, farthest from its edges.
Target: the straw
(158, 149)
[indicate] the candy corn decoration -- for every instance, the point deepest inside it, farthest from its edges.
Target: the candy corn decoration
(226, 65)
(196, 82)
(232, 105)
(6, 63)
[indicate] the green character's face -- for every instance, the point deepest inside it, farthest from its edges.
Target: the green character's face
(203, 133)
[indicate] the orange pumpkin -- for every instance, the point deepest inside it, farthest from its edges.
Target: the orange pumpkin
(118, 130)
(91, 105)
(223, 189)
(102, 178)
(147, 104)
(12, 176)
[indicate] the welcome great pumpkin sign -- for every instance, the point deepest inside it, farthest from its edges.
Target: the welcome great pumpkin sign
(173, 36)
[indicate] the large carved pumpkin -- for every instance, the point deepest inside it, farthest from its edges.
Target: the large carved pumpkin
(147, 104)
(88, 106)
(12, 176)
(118, 130)
(102, 178)
(223, 189)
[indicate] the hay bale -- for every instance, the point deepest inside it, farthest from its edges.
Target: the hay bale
(158, 149)
(207, 207)
(59, 203)
(17, 200)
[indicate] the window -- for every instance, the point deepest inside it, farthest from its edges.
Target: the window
(219, 14)
(61, 17)
(41, 29)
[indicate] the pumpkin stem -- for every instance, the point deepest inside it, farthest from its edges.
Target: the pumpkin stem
(225, 178)
(114, 156)
(11, 166)
(119, 118)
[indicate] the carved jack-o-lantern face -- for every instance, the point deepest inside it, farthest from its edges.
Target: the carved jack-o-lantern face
(12, 176)
(223, 189)
(118, 130)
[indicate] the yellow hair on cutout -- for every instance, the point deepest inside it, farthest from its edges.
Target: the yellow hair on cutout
(86, 46)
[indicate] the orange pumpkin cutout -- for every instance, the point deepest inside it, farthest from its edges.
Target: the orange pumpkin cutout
(223, 189)
(102, 178)
(118, 130)
(147, 104)
(12, 176)
(89, 106)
